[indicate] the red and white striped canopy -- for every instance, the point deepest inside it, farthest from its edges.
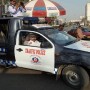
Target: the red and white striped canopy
(44, 8)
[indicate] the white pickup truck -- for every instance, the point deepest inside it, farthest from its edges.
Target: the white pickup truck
(59, 53)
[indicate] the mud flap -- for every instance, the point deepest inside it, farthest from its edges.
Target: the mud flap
(59, 71)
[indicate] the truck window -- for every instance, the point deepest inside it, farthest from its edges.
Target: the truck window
(3, 30)
(33, 39)
(2, 37)
(4, 23)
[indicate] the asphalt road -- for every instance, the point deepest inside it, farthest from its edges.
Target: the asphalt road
(25, 79)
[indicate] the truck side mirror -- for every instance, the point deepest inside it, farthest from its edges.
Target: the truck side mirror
(45, 45)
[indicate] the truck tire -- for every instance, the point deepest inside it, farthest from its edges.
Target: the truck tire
(75, 76)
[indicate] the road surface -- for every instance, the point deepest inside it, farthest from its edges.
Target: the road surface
(25, 79)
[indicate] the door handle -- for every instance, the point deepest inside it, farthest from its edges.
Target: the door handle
(19, 49)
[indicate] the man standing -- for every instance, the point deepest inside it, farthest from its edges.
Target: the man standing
(13, 9)
(79, 34)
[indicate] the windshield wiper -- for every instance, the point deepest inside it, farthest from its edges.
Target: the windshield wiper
(71, 42)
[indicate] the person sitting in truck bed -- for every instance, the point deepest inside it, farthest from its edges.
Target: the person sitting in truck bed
(16, 9)
(31, 39)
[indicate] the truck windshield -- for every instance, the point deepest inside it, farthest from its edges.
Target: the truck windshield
(60, 37)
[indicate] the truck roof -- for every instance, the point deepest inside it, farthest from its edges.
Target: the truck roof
(21, 18)
(12, 17)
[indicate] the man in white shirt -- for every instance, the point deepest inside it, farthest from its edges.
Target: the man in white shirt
(13, 9)
(32, 40)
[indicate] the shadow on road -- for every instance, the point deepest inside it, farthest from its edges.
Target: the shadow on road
(31, 82)
(26, 79)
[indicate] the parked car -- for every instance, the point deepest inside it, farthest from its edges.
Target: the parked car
(85, 30)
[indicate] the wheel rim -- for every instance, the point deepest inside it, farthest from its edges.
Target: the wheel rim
(73, 78)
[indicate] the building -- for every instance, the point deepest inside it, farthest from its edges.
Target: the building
(87, 12)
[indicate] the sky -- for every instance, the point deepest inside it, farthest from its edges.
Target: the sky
(74, 8)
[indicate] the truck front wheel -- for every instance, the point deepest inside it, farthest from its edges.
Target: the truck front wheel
(75, 76)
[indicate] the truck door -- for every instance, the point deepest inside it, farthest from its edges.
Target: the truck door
(34, 57)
